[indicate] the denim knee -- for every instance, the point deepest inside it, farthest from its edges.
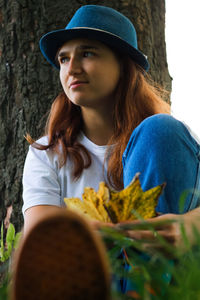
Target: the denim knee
(161, 149)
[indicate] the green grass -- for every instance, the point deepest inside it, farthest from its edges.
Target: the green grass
(169, 274)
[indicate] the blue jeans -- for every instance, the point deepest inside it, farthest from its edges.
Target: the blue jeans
(161, 149)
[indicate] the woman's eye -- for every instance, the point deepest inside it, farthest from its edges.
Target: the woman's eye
(88, 54)
(63, 60)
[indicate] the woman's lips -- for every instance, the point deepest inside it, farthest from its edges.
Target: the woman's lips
(76, 84)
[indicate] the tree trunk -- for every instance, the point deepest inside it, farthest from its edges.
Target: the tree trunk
(29, 84)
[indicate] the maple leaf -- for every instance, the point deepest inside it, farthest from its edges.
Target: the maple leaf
(123, 204)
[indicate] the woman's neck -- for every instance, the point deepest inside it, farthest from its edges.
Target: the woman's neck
(98, 126)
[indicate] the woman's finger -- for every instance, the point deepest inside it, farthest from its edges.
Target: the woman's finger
(151, 235)
(98, 224)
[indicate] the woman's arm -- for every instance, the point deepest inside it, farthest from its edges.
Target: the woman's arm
(41, 186)
(34, 213)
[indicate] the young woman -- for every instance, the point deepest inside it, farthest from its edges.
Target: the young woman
(107, 124)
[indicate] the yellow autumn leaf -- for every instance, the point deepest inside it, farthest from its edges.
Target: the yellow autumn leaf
(103, 196)
(121, 203)
(83, 208)
(146, 205)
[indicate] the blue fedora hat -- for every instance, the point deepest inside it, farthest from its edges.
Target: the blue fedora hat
(100, 23)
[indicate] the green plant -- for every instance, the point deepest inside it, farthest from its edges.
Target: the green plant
(11, 242)
(7, 246)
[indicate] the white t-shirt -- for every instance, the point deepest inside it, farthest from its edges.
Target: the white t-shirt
(44, 183)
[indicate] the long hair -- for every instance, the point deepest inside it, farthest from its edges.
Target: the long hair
(136, 98)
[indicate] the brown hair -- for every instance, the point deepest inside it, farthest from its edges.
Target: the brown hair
(136, 98)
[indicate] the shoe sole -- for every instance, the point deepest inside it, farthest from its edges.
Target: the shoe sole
(61, 258)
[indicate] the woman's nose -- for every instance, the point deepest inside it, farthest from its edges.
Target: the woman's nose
(74, 66)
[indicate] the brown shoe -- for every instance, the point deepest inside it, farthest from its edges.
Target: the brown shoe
(61, 258)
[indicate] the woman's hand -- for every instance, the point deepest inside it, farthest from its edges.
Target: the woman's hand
(170, 231)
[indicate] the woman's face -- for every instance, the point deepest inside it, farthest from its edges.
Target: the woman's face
(89, 72)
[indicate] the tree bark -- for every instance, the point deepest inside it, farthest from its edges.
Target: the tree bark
(29, 84)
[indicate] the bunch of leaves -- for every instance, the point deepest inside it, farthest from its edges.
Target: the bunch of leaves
(107, 205)
(169, 274)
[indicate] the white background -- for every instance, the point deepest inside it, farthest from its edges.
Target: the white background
(183, 55)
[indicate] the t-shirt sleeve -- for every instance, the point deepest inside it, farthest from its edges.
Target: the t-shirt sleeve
(40, 180)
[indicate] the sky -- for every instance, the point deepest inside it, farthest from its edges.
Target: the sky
(182, 37)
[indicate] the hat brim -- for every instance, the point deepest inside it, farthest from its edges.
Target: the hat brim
(52, 41)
